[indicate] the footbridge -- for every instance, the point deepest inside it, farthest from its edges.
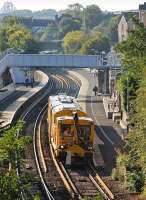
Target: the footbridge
(19, 62)
(45, 60)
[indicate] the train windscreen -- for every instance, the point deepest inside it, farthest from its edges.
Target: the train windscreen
(66, 130)
(83, 131)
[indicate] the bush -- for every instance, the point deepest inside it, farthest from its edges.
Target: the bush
(115, 174)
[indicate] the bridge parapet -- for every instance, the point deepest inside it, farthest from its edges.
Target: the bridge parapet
(19, 62)
(46, 60)
(62, 61)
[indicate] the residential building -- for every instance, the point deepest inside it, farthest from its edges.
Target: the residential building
(142, 13)
(8, 7)
(125, 25)
(122, 29)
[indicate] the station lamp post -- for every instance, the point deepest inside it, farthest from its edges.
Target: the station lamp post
(95, 73)
(103, 65)
(114, 61)
(112, 78)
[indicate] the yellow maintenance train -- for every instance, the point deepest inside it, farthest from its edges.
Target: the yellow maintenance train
(71, 131)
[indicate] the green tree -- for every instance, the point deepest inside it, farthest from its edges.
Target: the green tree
(95, 33)
(11, 146)
(98, 31)
(12, 184)
(51, 33)
(73, 41)
(75, 10)
(135, 181)
(37, 197)
(11, 152)
(18, 37)
(15, 35)
(10, 187)
(112, 29)
(93, 16)
(67, 24)
(3, 39)
(133, 80)
(95, 44)
(133, 53)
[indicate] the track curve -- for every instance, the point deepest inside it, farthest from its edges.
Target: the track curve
(78, 182)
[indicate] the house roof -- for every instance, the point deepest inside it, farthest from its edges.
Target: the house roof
(129, 15)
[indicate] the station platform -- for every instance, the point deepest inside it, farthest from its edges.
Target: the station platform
(108, 135)
(82, 99)
(12, 97)
(111, 109)
(6, 91)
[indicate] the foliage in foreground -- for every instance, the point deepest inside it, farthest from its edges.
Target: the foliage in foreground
(131, 163)
(11, 153)
(97, 197)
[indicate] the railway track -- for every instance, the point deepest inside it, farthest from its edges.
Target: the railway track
(59, 182)
(86, 182)
(30, 115)
(45, 167)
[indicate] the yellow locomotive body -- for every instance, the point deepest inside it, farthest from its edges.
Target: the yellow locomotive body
(71, 131)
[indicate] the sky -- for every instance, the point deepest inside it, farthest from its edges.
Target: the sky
(110, 5)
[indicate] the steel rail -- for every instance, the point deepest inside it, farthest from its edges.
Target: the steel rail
(37, 123)
(23, 117)
(62, 171)
(37, 126)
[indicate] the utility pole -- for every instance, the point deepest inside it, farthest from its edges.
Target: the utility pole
(83, 20)
(104, 63)
(127, 106)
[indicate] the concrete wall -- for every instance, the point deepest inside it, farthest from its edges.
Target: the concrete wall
(18, 76)
(103, 81)
(1, 82)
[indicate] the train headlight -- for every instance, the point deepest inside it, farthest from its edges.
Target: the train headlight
(61, 146)
(90, 148)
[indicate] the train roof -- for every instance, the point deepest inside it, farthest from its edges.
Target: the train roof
(62, 101)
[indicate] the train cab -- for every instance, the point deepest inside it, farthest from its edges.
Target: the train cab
(71, 131)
